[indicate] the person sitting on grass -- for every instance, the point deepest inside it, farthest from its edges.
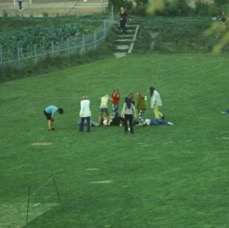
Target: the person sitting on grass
(50, 112)
(114, 121)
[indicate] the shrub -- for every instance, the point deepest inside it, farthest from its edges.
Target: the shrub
(174, 9)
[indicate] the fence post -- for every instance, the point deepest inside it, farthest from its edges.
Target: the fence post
(35, 52)
(1, 58)
(52, 48)
(1, 66)
(83, 44)
(18, 57)
(95, 40)
(68, 47)
(112, 12)
(105, 28)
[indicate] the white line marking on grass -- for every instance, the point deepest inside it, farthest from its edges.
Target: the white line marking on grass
(225, 138)
(92, 169)
(101, 182)
(41, 144)
(145, 145)
(168, 142)
(36, 204)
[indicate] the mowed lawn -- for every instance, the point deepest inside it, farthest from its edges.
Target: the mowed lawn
(161, 176)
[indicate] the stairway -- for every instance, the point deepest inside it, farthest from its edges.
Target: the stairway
(124, 44)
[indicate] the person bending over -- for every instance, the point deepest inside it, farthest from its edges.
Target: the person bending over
(50, 112)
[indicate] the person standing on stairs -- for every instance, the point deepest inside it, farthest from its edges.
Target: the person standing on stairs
(123, 18)
(20, 5)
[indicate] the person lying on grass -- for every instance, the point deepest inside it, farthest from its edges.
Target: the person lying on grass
(155, 121)
(225, 112)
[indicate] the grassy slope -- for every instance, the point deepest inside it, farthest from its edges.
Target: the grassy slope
(179, 35)
(162, 176)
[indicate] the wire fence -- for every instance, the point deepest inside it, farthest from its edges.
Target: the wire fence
(82, 44)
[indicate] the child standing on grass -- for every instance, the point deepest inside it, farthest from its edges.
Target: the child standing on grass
(104, 108)
(85, 113)
(50, 112)
(115, 102)
(128, 112)
(140, 107)
(156, 102)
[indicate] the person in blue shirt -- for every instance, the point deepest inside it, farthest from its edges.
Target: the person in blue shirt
(50, 112)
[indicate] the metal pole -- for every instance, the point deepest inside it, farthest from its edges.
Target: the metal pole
(27, 213)
(58, 194)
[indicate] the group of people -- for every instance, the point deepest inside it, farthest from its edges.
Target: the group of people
(132, 113)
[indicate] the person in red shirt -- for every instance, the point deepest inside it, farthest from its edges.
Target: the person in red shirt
(123, 19)
(115, 102)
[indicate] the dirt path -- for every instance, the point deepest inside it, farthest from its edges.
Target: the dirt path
(53, 8)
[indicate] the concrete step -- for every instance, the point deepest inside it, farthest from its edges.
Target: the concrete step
(125, 36)
(123, 40)
(124, 43)
(122, 47)
(119, 54)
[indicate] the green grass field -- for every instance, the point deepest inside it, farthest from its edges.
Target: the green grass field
(161, 176)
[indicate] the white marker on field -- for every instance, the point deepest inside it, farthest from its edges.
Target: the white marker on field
(92, 169)
(101, 182)
(41, 144)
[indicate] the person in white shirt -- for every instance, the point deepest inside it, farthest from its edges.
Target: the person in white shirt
(85, 113)
(156, 102)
